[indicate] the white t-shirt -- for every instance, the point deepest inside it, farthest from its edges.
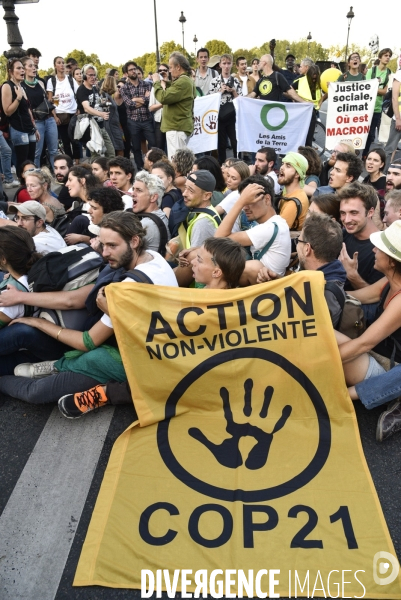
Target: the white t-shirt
(48, 241)
(159, 272)
(67, 102)
(157, 114)
(13, 312)
(277, 186)
(228, 202)
(278, 256)
(244, 79)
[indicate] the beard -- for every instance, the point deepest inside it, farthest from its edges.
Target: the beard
(125, 259)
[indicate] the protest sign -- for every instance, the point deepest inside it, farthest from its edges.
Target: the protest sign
(206, 114)
(279, 125)
(349, 112)
(246, 460)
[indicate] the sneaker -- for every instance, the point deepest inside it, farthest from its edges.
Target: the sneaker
(36, 370)
(10, 184)
(389, 422)
(74, 406)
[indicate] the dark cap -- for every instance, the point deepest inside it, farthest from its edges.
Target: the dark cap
(290, 56)
(203, 179)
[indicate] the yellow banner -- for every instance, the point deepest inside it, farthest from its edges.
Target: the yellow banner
(245, 472)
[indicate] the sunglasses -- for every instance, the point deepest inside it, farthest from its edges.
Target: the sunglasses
(162, 71)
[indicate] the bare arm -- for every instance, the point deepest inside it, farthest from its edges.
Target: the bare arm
(251, 194)
(294, 96)
(351, 267)
(99, 332)
(96, 113)
(10, 105)
(370, 293)
(251, 95)
(73, 299)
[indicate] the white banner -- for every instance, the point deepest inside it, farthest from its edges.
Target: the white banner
(280, 125)
(349, 112)
(206, 114)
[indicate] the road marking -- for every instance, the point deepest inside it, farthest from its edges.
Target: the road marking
(38, 525)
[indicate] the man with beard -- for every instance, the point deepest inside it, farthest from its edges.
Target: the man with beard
(135, 95)
(393, 178)
(357, 206)
(264, 164)
(62, 164)
(31, 216)
(294, 203)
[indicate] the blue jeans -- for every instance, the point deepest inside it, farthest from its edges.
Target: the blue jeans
(138, 129)
(380, 390)
(5, 156)
(49, 132)
(37, 347)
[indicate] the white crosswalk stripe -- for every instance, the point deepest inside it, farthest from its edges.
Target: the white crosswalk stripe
(38, 525)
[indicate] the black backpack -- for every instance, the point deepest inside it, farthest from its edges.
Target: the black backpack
(70, 79)
(387, 106)
(161, 227)
(54, 270)
(180, 212)
(374, 71)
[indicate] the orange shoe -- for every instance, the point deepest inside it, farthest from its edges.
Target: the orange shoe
(74, 406)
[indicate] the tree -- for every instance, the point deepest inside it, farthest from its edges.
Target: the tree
(241, 52)
(217, 47)
(3, 69)
(83, 59)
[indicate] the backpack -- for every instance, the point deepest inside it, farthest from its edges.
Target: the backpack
(387, 106)
(10, 280)
(67, 269)
(162, 230)
(298, 205)
(107, 276)
(352, 321)
(388, 73)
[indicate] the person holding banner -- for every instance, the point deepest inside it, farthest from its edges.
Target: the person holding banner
(272, 84)
(309, 88)
(353, 73)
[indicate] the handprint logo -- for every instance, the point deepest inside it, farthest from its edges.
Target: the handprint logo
(227, 453)
(212, 124)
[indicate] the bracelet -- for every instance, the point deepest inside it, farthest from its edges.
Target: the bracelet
(59, 333)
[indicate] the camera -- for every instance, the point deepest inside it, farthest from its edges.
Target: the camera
(230, 82)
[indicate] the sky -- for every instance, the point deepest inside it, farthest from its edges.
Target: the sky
(120, 30)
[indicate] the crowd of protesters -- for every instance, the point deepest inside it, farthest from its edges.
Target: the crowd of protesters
(106, 181)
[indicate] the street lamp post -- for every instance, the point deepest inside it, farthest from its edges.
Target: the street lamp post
(350, 16)
(309, 38)
(182, 20)
(195, 40)
(157, 39)
(13, 33)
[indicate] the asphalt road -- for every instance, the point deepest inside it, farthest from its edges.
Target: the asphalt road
(29, 433)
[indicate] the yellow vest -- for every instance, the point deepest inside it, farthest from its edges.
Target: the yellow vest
(305, 93)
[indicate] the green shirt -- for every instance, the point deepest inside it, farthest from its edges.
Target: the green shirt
(178, 104)
(349, 77)
(382, 75)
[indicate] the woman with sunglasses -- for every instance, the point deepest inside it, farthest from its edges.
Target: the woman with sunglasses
(157, 109)
(23, 132)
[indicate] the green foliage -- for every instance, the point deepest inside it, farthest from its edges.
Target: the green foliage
(218, 47)
(3, 69)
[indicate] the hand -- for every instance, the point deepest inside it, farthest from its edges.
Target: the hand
(58, 122)
(106, 116)
(184, 259)
(349, 264)
(147, 94)
(139, 102)
(266, 275)
(10, 296)
(19, 91)
(31, 321)
(252, 194)
(155, 77)
(37, 135)
(101, 301)
(96, 244)
(398, 124)
(73, 238)
(252, 169)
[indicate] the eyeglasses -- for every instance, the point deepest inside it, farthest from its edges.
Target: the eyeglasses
(298, 241)
(162, 71)
(23, 219)
(130, 70)
(91, 74)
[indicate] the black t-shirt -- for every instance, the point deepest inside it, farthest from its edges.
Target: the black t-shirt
(366, 258)
(170, 198)
(380, 184)
(65, 198)
(271, 87)
(34, 94)
(93, 97)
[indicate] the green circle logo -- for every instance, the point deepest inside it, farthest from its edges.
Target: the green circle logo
(264, 112)
(265, 87)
